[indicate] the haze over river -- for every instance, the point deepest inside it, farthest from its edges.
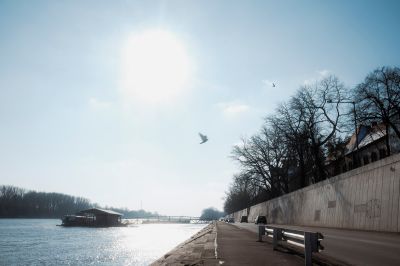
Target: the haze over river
(41, 242)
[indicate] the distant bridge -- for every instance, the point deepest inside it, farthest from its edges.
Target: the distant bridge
(170, 219)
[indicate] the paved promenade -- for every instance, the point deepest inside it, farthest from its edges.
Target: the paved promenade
(221, 243)
(225, 244)
(363, 248)
(240, 247)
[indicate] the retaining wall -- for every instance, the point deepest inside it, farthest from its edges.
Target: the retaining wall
(366, 198)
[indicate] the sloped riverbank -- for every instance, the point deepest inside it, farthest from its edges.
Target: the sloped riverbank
(200, 249)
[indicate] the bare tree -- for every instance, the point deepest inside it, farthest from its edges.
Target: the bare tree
(272, 151)
(17, 202)
(241, 193)
(320, 114)
(210, 214)
(252, 165)
(378, 99)
(294, 137)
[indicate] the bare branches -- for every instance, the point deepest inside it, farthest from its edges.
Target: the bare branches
(291, 148)
(378, 99)
(16, 202)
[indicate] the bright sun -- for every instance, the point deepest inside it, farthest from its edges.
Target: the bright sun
(156, 67)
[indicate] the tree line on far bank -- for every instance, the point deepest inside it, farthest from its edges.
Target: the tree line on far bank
(291, 149)
(210, 214)
(20, 203)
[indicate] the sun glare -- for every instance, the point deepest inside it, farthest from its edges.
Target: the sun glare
(156, 67)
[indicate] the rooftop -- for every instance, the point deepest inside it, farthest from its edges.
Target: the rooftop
(101, 211)
(366, 136)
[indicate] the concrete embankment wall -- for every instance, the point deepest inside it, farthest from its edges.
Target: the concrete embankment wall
(366, 198)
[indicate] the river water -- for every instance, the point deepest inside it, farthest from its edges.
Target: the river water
(41, 242)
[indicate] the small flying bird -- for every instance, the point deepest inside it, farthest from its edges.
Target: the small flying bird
(273, 85)
(203, 138)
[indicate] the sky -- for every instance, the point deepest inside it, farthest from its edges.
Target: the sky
(105, 99)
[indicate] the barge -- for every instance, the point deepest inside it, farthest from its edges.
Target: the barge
(94, 217)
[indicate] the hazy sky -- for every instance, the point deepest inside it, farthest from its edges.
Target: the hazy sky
(105, 99)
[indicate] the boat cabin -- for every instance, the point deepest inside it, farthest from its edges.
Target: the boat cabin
(93, 217)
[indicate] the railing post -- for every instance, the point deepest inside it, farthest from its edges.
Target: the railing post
(277, 235)
(309, 247)
(261, 232)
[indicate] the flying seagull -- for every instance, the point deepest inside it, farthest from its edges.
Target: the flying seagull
(273, 85)
(203, 138)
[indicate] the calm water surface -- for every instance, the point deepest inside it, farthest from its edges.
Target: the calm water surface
(41, 242)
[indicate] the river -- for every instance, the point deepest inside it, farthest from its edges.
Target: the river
(41, 242)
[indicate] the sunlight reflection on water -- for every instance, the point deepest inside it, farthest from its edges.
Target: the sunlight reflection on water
(41, 242)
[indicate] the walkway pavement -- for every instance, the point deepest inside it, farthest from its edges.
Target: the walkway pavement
(236, 244)
(225, 244)
(240, 247)
(354, 247)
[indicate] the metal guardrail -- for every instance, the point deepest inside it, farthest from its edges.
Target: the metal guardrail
(310, 241)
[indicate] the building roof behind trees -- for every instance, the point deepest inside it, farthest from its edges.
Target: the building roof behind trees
(366, 136)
